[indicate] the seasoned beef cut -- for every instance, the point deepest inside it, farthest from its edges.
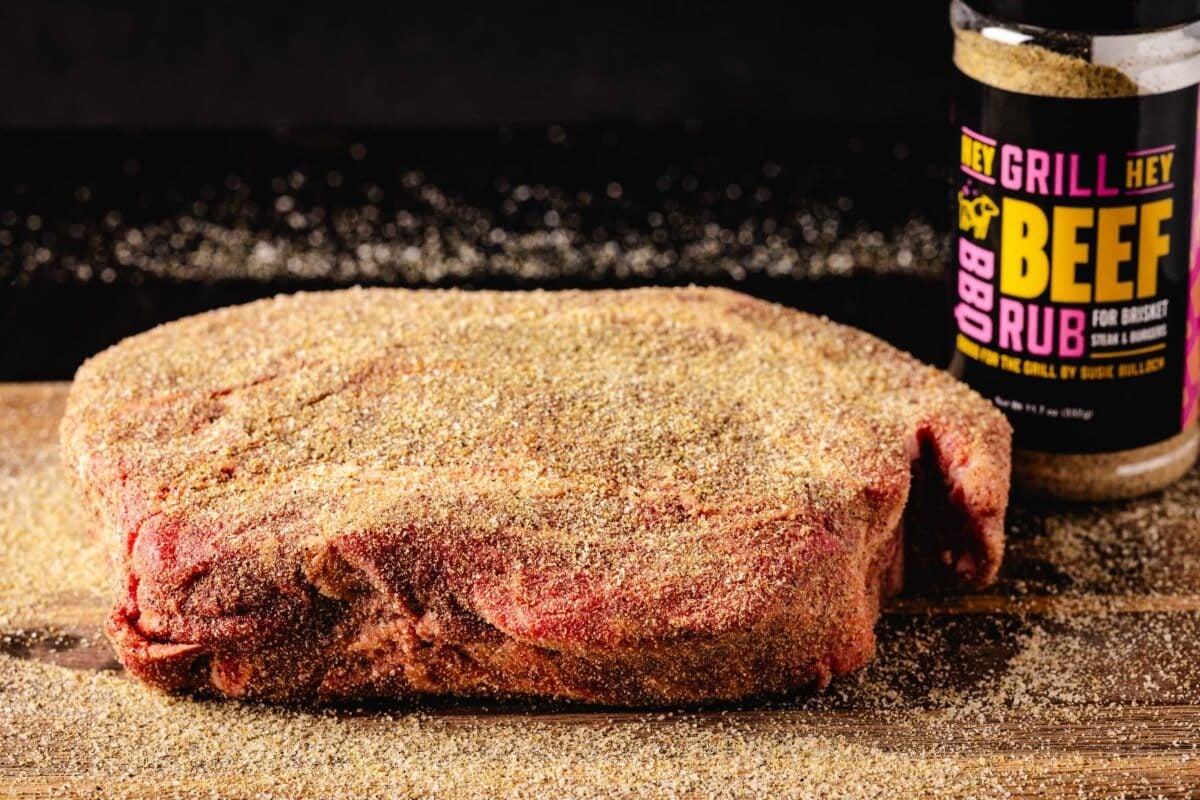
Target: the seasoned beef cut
(649, 496)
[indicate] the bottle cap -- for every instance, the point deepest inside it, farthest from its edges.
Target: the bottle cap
(1092, 16)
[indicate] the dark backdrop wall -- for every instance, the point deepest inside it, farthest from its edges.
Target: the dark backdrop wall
(792, 150)
(79, 62)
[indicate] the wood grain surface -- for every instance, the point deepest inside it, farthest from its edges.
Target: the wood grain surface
(1075, 676)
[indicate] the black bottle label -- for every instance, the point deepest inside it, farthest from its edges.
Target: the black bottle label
(1073, 281)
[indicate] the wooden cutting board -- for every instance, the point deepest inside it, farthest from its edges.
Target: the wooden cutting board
(1076, 676)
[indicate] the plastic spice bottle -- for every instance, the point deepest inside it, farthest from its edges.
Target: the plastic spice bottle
(1074, 284)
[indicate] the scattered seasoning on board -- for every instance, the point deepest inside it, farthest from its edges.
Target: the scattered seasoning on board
(437, 237)
(1071, 294)
(956, 705)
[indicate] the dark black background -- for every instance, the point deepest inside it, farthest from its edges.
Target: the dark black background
(850, 98)
(81, 62)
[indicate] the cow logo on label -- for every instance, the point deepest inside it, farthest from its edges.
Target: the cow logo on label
(975, 214)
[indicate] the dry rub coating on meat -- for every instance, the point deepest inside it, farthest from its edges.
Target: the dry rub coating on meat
(648, 496)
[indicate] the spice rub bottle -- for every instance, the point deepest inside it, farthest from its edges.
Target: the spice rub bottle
(1074, 284)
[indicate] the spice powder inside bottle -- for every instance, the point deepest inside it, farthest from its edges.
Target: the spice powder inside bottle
(1073, 293)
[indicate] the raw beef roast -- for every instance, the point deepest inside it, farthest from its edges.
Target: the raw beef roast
(629, 497)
